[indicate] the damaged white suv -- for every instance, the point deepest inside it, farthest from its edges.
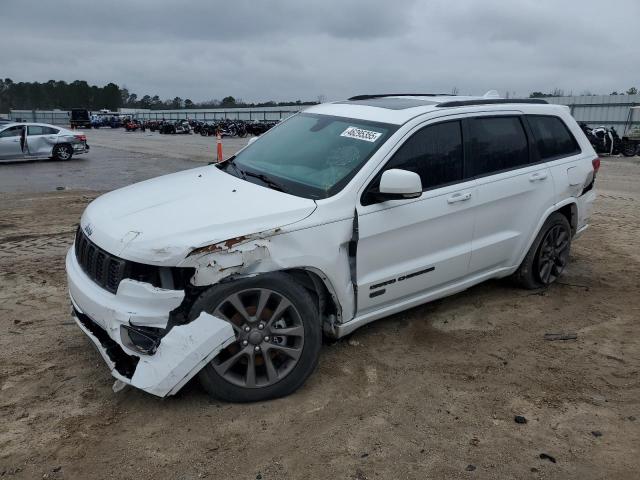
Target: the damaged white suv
(343, 214)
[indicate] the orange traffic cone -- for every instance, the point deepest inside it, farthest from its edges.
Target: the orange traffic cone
(219, 142)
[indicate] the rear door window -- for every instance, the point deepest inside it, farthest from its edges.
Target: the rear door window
(497, 144)
(552, 137)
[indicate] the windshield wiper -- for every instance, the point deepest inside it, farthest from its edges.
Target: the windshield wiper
(267, 181)
(241, 173)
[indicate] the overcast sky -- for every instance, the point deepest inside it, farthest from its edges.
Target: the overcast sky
(299, 49)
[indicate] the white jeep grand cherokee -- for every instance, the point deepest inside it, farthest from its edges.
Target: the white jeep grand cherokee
(341, 215)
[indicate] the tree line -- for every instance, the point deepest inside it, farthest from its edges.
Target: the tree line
(79, 94)
(558, 92)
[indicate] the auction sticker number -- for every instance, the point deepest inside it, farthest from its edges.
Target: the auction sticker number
(361, 134)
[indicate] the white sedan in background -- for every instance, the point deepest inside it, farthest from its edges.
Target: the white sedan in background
(24, 141)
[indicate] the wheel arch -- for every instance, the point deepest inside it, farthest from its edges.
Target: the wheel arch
(570, 211)
(320, 288)
(568, 208)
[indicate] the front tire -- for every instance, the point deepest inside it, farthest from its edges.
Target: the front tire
(278, 338)
(548, 255)
(62, 152)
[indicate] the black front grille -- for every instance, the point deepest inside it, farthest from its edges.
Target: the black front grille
(103, 268)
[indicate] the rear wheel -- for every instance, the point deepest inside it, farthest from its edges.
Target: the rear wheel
(628, 149)
(548, 256)
(278, 338)
(62, 152)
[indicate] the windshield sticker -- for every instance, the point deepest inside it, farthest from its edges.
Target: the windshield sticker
(361, 134)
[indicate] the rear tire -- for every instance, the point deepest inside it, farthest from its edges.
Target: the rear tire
(628, 149)
(264, 362)
(62, 152)
(548, 256)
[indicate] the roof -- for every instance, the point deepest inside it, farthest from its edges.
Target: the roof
(400, 108)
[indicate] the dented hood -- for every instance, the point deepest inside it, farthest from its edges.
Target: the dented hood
(159, 221)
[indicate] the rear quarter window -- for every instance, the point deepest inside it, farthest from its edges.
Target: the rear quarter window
(552, 137)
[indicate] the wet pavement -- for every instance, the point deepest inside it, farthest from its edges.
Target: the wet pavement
(116, 159)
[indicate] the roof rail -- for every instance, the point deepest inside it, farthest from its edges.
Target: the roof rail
(490, 101)
(382, 95)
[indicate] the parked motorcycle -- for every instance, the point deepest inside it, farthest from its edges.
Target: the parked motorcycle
(180, 126)
(133, 125)
(603, 139)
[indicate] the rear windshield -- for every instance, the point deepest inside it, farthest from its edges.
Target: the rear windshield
(312, 156)
(80, 114)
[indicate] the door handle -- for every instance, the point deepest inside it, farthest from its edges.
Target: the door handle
(459, 197)
(538, 176)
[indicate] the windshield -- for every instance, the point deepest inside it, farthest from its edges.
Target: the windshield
(312, 156)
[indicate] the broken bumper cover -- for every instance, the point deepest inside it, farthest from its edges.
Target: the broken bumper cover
(181, 353)
(80, 147)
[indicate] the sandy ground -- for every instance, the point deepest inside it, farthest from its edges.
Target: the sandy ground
(428, 393)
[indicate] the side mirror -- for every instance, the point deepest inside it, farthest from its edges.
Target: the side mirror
(396, 184)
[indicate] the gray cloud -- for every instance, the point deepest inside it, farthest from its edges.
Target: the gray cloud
(290, 49)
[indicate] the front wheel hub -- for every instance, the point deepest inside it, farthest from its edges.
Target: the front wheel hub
(269, 338)
(256, 337)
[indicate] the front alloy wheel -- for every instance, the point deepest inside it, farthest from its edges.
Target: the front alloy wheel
(269, 338)
(277, 337)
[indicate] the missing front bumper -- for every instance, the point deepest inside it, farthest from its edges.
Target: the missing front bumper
(158, 368)
(180, 355)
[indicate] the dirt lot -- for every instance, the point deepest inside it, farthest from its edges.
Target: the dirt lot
(429, 393)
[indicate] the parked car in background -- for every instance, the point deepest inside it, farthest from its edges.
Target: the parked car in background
(80, 118)
(106, 119)
(341, 215)
(22, 141)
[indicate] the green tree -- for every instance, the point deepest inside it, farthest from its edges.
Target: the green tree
(132, 101)
(124, 96)
(145, 102)
(632, 91)
(228, 102)
(156, 103)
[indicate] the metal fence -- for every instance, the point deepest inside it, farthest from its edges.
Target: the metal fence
(54, 117)
(595, 110)
(259, 114)
(62, 117)
(608, 110)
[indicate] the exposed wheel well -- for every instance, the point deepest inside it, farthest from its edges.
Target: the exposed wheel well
(570, 211)
(326, 303)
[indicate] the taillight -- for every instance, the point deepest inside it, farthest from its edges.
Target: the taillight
(596, 165)
(83, 138)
